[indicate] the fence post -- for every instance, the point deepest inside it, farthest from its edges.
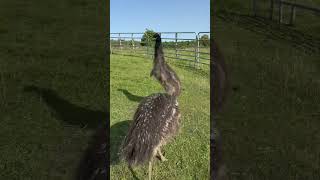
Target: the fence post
(280, 11)
(132, 41)
(254, 8)
(271, 9)
(198, 49)
(176, 44)
(120, 42)
(195, 49)
(147, 44)
(110, 43)
(293, 14)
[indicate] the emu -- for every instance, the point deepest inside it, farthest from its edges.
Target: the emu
(94, 165)
(157, 117)
(163, 72)
(220, 91)
(220, 79)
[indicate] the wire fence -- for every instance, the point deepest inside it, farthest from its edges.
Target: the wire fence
(283, 11)
(190, 47)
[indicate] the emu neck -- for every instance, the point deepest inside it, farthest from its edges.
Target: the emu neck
(163, 73)
(158, 53)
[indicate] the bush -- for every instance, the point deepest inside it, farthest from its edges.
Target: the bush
(204, 40)
(147, 37)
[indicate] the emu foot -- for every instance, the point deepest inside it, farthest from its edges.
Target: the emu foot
(161, 157)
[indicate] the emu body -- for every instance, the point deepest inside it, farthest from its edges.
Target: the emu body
(220, 91)
(220, 78)
(155, 122)
(156, 119)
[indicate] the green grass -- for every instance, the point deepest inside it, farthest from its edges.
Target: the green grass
(188, 155)
(270, 124)
(52, 78)
(186, 55)
(305, 21)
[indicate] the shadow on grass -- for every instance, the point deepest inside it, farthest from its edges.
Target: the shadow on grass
(118, 132)
(271, 29)
(68, 112)
(94, 163)
(130, 96)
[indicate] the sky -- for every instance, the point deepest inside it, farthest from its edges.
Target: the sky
(159, 15)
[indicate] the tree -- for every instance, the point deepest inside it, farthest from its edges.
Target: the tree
(147, 37)
(204, 40)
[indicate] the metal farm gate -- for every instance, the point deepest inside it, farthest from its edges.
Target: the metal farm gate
(191, 47)
(284, 11)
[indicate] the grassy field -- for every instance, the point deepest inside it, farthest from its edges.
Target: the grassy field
(305, 21)
(188, 155)
(52, 83)
(270, 126)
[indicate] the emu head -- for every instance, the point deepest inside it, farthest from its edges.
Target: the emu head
(157, 37)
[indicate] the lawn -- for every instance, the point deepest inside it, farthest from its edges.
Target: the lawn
(270, 126)
(52, 84)
(188, 155)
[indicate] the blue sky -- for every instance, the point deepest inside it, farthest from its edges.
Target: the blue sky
(159, 15)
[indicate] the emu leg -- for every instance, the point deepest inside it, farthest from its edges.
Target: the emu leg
(133, 173)
(162, 158)
(150, 169)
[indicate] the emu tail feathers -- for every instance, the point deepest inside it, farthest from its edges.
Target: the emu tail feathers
(136, 151)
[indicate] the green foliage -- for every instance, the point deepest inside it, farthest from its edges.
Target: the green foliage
(204, 40)
(147, 37)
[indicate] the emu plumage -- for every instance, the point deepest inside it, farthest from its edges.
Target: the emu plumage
(157, 118)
